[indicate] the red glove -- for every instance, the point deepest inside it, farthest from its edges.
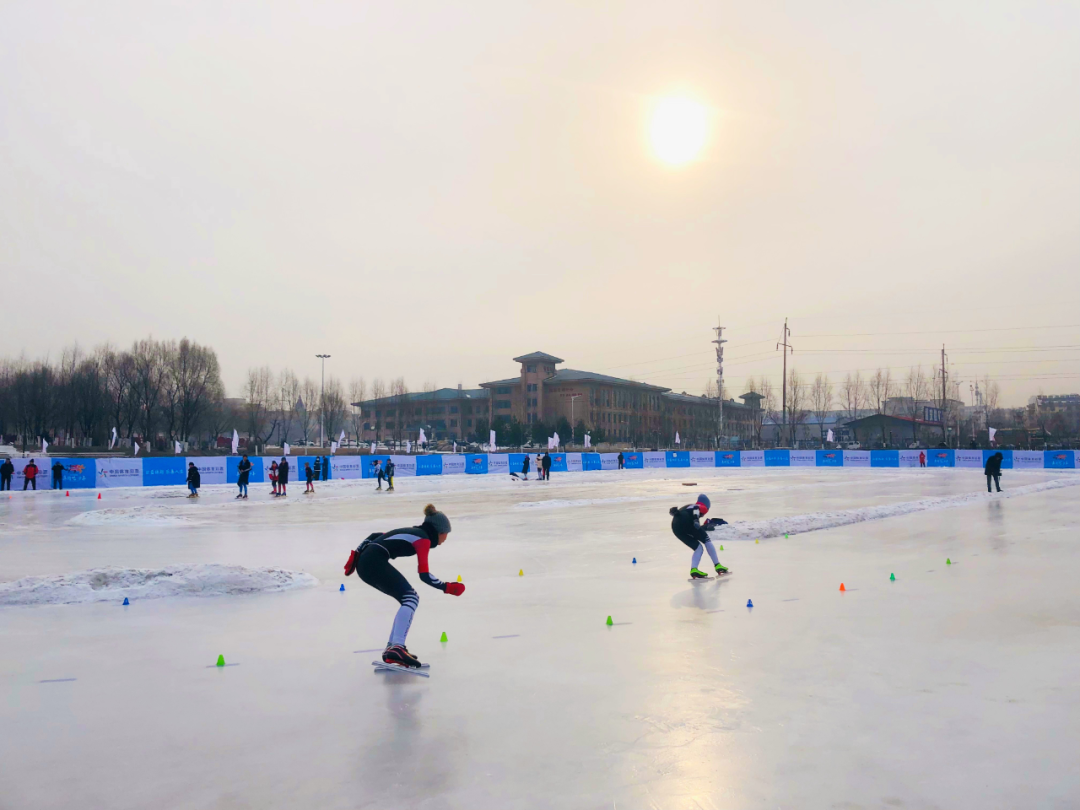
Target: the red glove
(455, 588)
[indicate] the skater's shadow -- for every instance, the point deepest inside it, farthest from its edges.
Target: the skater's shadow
(703, 596)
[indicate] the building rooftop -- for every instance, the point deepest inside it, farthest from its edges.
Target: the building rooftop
(573, 375)
(442, 394)
(538, 357)
(510, 381)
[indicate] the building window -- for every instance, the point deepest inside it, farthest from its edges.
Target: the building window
(530, 369)
(453, 423)
(502, 390)
(468, 423)
(390, 425)
(453, 409)
(531, 387)
(502, 404)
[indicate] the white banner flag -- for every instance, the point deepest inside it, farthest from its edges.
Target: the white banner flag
(112, 441)
(556, 439)
(333, 447)
(829, 436)
(235, 441)
(677, 437)
(422, 439)
(341, 439)
(44, 446)
(285, 449)
(588, 440)
(993, 432)
(408, 446)
(135, 445)
(177, 448)
(455, 443)
(491, 440)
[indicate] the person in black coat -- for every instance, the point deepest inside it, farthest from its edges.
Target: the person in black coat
(318, 468)
(993, 471)
(525, 467)
(325, 468)
(194, 479)
(7, 469)
(243, 473)
(546, 466)
(283, 477)
(621, 461)
(58, 475)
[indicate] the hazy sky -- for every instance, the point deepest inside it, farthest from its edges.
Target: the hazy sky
(430, 189)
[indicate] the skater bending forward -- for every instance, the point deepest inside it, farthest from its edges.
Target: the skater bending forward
(371, 561)
(685, 523)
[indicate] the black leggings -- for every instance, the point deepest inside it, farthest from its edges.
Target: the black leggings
(375, 569)
(687, 540)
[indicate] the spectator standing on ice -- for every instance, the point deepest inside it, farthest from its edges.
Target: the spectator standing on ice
(325, 468)
(30, 472)
(283, 478)
(547, 466)
(621, 460)
(539, 468)
(390, 468)
(58, 475)
(371, 562)
(686, 526)
(243, 472)
(525, 467)
(318, 467)
(309, 475)
(273, 473)
(7, 469)
(194, 480)
(377, 465)
(922, 459)
(993, 471)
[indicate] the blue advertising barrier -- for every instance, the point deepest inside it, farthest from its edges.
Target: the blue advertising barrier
(79, 473)
(940, 458)
(368, 470)
(633, 461)
(777, 458)
(884, 458)
(590, 461)
(558, 462)
(232, 474)
(1058, 460)
(164, 472)
(678, 458)
(429, 465)
(728, 458)
(476, 463)
(829, 458)
(1006, 457)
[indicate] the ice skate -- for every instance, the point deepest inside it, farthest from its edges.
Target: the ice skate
(697, 574)
(721, 569)
(399, 655)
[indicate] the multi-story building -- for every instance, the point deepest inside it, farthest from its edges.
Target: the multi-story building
(1056, 413)
(446, 413)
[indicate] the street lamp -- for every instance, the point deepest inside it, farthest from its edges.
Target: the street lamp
(572, 398)
(322, 399)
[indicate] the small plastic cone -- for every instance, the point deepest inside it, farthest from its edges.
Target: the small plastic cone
(749, 602)
(67, 493)
(757, 541)
(521, 572)
(842, 587)
(221, 660)
(948, 561)
(892, 577)
(98, 496)
(634, 561)
(459, 577)
(721, 547)
(443, 636)
(609, 622)
(126, 602)
(342, 587)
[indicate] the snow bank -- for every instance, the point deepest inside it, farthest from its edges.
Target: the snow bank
(158, 516)
(113, 584)
(814, 521)
(566, 504)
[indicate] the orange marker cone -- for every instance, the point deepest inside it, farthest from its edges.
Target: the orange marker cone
(67, 493)
(99, 496)
(842, 587)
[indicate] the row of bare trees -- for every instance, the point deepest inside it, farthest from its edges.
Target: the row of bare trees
(154, 389)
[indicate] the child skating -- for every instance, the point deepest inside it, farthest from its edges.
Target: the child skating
(371, 561)
(309, 474)
(685, 524)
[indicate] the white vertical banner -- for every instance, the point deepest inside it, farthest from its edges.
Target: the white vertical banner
(177, 449)
(112, 441)
(285, 450)
(491, 440)
(422, 439)
(992, 432)
(235, 442)
(677, 437)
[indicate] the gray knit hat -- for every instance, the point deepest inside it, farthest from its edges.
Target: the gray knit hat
(439, 522)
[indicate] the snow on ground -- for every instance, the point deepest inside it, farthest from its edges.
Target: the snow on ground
(952, 686)
(117, 584)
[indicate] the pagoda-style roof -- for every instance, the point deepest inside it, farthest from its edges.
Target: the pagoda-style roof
(538, 357)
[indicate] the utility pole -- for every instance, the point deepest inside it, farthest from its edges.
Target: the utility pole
(322, 399)
(787, 348)
(720, 341)
(944, 398)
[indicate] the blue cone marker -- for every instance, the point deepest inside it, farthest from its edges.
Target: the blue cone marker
(634, 561)
(126, 602)
(342, 587)
(749, 602)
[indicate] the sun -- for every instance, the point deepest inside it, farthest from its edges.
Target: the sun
(678, 130)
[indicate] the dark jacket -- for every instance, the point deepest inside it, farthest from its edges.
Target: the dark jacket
(283, 472)
(309, 474)
(7, 469)
(243, 470)
(525, 465)
(318, 465)
(57, 470)
(686, 523)
(546, 461)
(193, 477)
(993, 464)
(390, 468)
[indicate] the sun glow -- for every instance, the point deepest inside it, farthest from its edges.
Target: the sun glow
(678, 130)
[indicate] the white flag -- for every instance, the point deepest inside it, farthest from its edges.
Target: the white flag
(551, 442)
(422, 439)
(285, 449)
(408, 446)
(177, 448)
(44, 446)
(341, 439)
(491, 440)
(235, 441)
(135, 444)
(455, 445)
(829, 436)
(588, 440)
(556, 439)
(112, 441)
(993, 432)
(676, 437)
(333, 447)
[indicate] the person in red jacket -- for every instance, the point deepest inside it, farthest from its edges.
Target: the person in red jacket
(371, 562)
(30, 472)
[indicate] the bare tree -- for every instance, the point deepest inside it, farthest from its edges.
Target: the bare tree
(288, 396)
(149, 384)
(399, 391)
(822, 396)
(333, 407)
(916, 388)
(378, 392)
(258, 404)
(853, 390)
(307, 415)
(357, 395)
(430, 385)
(796, 404)
(880, 389)
(991, 394)
(119, 369)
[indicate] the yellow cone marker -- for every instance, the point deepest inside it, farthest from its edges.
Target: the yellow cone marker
(521, 572)
(459, 577)
(757, 541)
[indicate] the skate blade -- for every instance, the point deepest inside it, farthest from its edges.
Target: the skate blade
(716, 578)
(382, 666)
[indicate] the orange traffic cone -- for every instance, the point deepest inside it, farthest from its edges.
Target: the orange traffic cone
(842, 587)
(67, 493)
(99, 496)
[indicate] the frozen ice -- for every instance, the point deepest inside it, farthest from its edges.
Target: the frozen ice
(953, 686)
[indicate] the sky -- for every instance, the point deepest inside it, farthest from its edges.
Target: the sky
(428, 190)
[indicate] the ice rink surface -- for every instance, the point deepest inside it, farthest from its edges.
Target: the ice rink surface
(953, 687)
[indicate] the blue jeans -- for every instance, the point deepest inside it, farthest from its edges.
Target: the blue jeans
(243, 489)
(194, 491)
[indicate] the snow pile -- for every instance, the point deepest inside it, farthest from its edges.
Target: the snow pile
(814, 521)
(113, 584)
(566, 504)
(157, 516)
